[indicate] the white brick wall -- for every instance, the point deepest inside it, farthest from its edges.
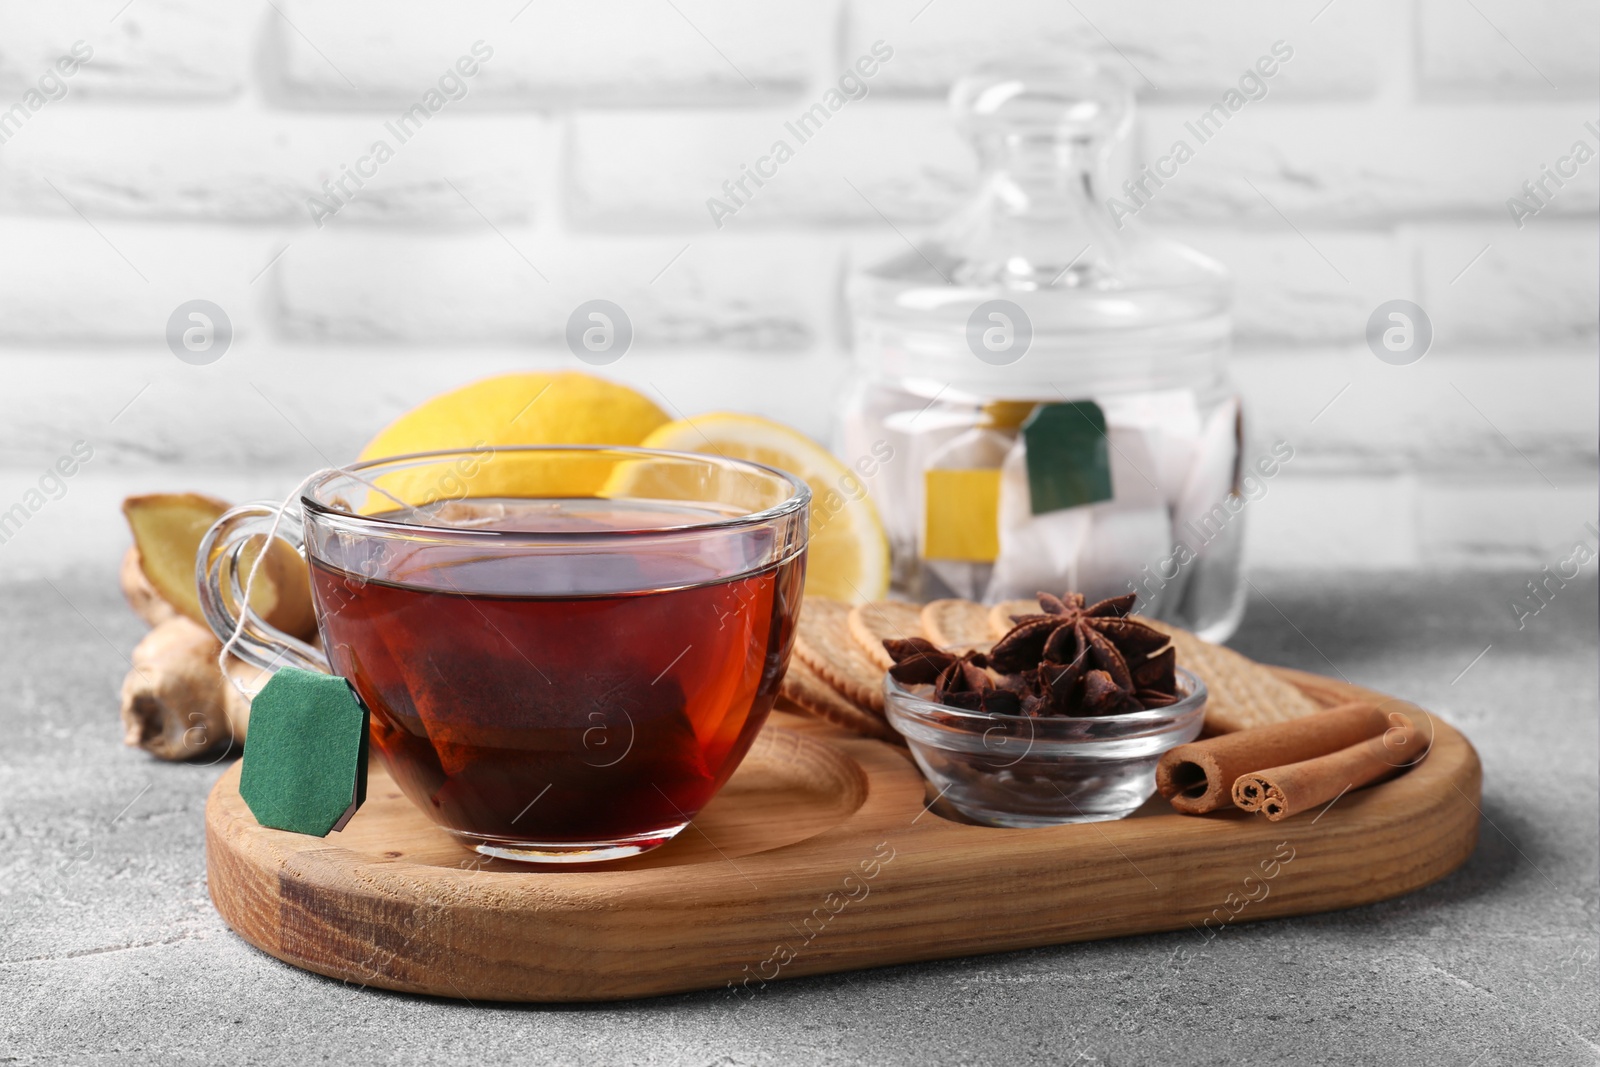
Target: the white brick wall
(1368, 163)
(561, 53)
(643, 170)
(769, 292)
(576, 164)
(1173, 49)
(1539, 47)
(244, 165)
(179, 49)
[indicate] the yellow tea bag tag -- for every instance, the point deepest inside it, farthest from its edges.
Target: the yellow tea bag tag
(962, 515)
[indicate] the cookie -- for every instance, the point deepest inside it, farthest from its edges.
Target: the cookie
(871, 623)
(823, 640)
(956, 622)
(808, 693)
(1242, 693)
(1000, 615)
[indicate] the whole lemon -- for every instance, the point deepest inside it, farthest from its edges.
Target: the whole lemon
(531, 408)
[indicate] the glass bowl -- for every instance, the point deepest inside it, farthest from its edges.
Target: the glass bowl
(1016, 770)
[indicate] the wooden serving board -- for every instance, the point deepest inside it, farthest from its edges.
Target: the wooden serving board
(818, 856)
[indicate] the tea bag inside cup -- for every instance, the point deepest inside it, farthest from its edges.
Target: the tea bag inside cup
(463, 514)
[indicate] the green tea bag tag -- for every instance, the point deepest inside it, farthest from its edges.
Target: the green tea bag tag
(1069, 456)
(305, 755)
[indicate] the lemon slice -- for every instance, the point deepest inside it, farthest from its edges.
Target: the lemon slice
(848, 557)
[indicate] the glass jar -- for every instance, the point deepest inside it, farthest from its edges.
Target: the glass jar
(1052, 382)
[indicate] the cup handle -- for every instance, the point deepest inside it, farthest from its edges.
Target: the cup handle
(220, 580)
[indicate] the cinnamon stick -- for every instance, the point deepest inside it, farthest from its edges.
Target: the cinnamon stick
(1199, 777)
(1279, 792)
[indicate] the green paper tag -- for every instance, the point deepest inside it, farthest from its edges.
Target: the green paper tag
(305, 755)
(1069, 456)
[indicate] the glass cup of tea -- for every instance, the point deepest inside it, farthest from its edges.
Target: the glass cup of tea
(566, 651)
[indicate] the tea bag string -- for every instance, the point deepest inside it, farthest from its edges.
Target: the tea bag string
(292, 500)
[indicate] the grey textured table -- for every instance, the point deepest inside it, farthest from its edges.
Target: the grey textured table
(110, 950)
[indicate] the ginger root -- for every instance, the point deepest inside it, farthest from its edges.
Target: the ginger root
(172, 699)
(176, 704)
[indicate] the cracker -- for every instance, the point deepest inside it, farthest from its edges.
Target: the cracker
(955, 622)
(822, 639)
(1242, 693)
(1000, 615)
(805, 689)
(871, 623)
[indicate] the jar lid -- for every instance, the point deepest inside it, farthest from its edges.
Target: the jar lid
(1083, 297)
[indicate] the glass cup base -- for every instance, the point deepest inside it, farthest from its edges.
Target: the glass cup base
(567, 852)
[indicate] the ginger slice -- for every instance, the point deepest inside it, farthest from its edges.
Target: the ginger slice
(142, 597)
(167, 529)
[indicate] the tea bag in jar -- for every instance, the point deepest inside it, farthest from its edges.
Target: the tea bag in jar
(961, 500)
(1202, 522)
(918, 436)
(1104, 546)
(1037, 553)
(1154, 441)
(889, 434)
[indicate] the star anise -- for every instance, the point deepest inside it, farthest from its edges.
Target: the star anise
(1071, 658)
(960, 681)
(1088, 654)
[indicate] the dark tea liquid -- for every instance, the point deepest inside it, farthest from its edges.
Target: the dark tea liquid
(593, 697)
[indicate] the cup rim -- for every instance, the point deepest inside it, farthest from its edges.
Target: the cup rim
(920, 709)
(798, 499)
